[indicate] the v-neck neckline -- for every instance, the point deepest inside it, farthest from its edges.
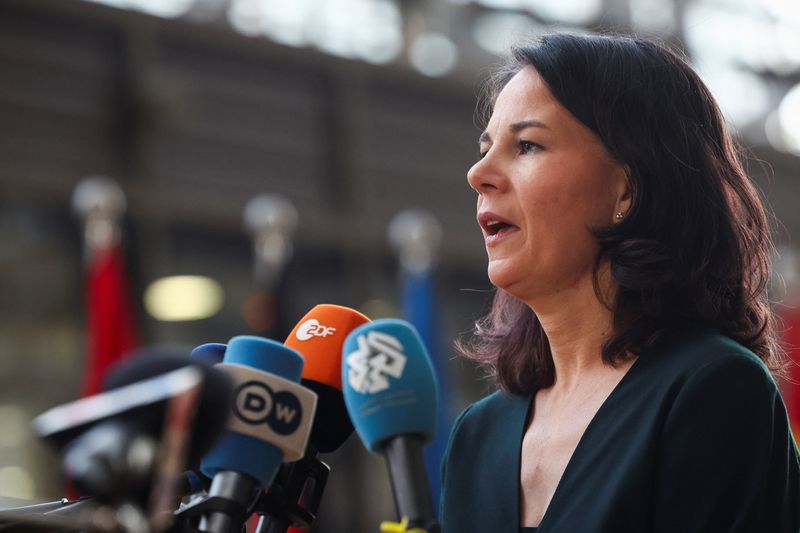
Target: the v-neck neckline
(570, 464)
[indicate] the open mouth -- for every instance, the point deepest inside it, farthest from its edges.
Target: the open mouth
(493, 227)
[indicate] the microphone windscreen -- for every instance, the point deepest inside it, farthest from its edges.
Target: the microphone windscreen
(236, 451)
(144, 364)
(215, 398)
(212, 352)
(319, 337)
(389, 383)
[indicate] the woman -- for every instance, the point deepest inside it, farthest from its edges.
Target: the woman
(630, 334)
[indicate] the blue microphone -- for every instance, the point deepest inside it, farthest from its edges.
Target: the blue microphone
(269, 423)
(390, 394)
(193, 481)
(211, 352)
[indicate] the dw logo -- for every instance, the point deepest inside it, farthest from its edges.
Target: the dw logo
(255, 404)
(378, 356)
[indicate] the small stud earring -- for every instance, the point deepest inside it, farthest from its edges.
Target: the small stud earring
(620, 215)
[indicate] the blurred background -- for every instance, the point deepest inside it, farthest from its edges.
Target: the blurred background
(253, 158)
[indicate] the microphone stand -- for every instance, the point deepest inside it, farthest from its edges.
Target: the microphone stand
(84, 515)
(40, 508)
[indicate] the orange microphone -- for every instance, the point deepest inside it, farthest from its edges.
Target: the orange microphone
(295, 496)
(319, 337)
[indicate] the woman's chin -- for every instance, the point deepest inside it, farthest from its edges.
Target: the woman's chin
(510, 280)
(500, 275)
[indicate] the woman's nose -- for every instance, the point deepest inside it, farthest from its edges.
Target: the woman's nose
(485, 176)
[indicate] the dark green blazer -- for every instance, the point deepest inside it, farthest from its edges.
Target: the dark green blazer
(694, 438)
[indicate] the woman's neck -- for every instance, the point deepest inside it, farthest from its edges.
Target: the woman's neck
(577, 324)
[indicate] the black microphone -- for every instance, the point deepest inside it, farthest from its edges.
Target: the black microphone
(130, 442)
(390, 393)
(214, 403)
(109, 441)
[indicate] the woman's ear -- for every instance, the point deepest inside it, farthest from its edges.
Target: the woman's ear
(625, 192)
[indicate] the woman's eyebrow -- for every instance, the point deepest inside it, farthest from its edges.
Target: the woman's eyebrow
(516, 127)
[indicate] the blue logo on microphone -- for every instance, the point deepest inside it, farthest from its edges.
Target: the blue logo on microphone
(256, 404)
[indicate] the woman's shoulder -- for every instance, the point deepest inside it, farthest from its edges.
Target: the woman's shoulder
(497, 411)
(497, 405)
(722, 427)
(706, 352)
(706, 374)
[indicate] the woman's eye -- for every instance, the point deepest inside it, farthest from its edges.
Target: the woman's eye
(482, 154)
(526, 147)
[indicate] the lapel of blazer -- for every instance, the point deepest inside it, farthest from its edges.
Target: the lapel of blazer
(503, 487)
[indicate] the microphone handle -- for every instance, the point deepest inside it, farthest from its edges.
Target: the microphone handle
(412, 494)
(295, 495)
(236, 488)
(272, 524)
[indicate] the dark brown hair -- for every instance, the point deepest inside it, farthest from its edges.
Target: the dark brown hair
(695, 246)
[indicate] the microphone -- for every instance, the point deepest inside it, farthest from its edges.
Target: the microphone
(193, 481)
(270, 422)
(390, 393)
(131, 442)
(319, 337)
(98, 433)
(211, 353)
(297, 493)
(214, 403)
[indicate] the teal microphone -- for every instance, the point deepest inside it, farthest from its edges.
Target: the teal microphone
(390, 393)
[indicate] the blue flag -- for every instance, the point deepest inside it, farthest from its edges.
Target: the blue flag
(419, 308)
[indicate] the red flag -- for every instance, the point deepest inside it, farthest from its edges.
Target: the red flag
(111, 324)
(791, 388)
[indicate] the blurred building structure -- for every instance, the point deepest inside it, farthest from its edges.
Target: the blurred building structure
(352, 109)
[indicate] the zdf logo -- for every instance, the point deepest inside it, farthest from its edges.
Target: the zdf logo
(312, 328)
(255, 403)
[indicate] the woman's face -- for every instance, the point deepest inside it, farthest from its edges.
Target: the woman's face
(542, 181)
